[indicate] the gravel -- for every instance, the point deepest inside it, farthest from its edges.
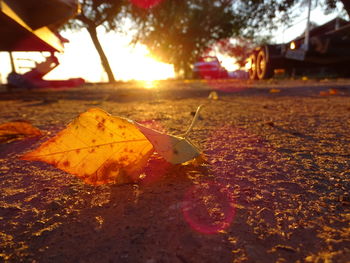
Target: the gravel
(274, 186)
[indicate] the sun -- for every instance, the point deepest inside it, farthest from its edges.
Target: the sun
(140, 65)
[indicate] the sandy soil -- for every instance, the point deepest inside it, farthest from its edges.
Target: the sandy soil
(275, 187)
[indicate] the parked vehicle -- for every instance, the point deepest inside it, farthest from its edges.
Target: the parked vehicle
(209, 67)
(326, 46)
(238, 74)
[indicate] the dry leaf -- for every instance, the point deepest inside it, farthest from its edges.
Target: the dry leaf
(16, 130)
(274, 90)
(333, 92)
(213, 95)
(324, 93)
(98, 148)
(329, 92)
(172, 148)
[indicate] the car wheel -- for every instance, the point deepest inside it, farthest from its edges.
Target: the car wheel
(263, 66)
(252, 69)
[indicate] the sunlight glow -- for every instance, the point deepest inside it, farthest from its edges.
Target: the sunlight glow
(127, 62)
(139, 65)
(80, 59)
(150, 84)
(248, 65)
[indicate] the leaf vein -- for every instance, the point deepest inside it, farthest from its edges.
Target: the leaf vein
(92, 146)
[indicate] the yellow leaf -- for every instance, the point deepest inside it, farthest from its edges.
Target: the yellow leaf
(213, 96)
(17, 130)
(98, 148)
(172, 148)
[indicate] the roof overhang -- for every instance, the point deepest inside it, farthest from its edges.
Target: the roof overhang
(16, 35)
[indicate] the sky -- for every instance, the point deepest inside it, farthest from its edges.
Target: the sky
(80, 59)
(286, 34)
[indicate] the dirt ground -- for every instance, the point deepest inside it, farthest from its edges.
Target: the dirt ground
(275, 187)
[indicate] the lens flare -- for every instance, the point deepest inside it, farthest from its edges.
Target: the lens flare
(209, 207)
(155, 170)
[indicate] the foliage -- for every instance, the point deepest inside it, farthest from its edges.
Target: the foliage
(95, 13)
(332, 4)
(265, 14)
(178, 32)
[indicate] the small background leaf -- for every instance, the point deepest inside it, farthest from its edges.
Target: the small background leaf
(98, 148)
(213, 95)
(274, 90)
(17, 130)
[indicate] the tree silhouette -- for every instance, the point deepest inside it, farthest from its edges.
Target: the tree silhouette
(178, 32)
(95, 13)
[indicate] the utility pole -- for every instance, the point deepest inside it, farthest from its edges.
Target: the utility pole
(307, 31)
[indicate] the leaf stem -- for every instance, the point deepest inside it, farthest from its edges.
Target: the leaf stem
(212, 96)
(194, 120)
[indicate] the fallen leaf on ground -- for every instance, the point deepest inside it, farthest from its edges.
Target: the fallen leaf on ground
(17, 130)
(324, 93)
(329, 92)
(172, 148)
(333, 92)
(275, 90)
(213, 95)
(98, 148)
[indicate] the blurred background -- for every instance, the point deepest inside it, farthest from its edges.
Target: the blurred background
(163, 39)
